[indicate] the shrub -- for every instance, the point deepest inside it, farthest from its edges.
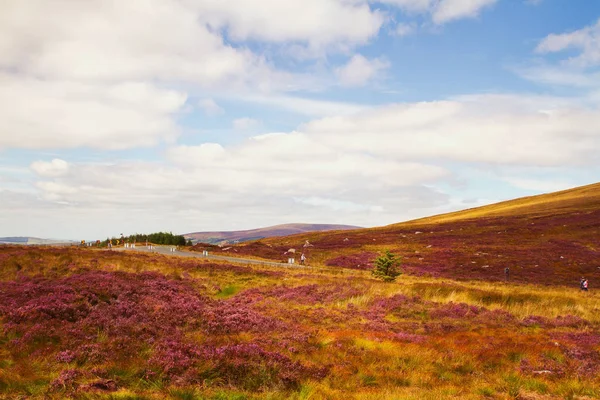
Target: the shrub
(386, 267)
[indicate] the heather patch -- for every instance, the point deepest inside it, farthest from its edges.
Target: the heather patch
(231, 317)
(120, 311)
(250, 367)
(362, 261)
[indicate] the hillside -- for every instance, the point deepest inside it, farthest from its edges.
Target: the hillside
(580, 199)
(551, 239)
(261, 233)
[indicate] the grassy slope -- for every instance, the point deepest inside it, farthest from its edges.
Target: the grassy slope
(548, 239)
(577, 200)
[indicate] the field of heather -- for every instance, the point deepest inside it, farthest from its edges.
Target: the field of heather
(96, 324)
(555, 248)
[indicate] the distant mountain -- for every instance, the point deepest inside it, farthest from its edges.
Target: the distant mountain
(260, 233)
(26, 240)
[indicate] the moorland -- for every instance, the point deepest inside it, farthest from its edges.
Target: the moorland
(90, 323)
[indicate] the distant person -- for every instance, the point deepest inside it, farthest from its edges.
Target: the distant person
(506, 273)
(585, 285)
(302, 259)
(581, 283)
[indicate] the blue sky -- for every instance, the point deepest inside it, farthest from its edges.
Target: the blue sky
(201, 115)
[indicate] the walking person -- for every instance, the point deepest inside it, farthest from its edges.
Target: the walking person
(585, 285)
(302, 259)
(506, 274)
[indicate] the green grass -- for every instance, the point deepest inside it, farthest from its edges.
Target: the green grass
(228, 291)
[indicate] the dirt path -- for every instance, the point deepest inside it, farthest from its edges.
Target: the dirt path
(166, 250)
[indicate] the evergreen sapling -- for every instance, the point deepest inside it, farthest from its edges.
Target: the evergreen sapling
(386, 267)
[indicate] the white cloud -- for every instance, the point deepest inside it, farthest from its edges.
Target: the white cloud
(578, 71)
(39, 114)
(443, 11)
(210, 107)
(52, 169)
(245, 123)
(587, 40)
(122, 41)
(360, 70)
(560, 75)
(496, 129)
(449, 10)
(317, 23)
(190, 155)
(111, 75)
(173, 40)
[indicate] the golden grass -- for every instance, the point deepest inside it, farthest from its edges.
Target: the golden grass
(578, 198)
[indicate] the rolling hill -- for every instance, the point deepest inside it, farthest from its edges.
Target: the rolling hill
(550, 238)
(255, 234)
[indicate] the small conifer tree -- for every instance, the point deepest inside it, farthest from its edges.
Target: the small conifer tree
(386, 267)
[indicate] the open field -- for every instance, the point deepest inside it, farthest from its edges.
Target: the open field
(551, 239)
(93, 324)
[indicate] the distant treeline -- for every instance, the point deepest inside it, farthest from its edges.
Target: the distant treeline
(166, 238)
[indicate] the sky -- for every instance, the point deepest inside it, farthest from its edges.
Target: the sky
(196, 115)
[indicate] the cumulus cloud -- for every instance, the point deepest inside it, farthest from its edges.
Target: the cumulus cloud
(110, 75)
(318, 23)
(39, 114)
(171, 40)
(360, 70)
(118, 41)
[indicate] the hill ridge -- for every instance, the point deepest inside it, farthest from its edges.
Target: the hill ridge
(261, 233)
